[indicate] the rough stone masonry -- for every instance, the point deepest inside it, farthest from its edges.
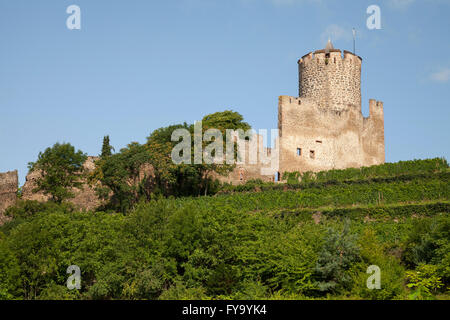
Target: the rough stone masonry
(9, 182)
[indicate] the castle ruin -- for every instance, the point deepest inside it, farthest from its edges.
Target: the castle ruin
(321, 129)
(9, 182)
(324, 128)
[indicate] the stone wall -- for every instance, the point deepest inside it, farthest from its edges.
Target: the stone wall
(9, 182)
(324, 127)
(253, 162)
(315, 139)
(332, 81)
(85, 198)
(373, 134)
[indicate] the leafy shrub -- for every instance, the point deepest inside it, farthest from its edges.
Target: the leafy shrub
(392, 273)
(425, 282)
(29, 208)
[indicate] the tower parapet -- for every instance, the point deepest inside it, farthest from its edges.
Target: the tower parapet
(375, 109)
(333, 81)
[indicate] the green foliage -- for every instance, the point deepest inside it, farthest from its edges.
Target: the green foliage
(106, 148)
(119, 175)
(385, 170)
(9, 271)
(428, 243)
(61, 170)
(29, 208)
(190, 179)
(283, 258)
(255, 245)
(58, 292)
(179, 292)
(416, 190)
(374, 252)
(177, 180)
(425, 281)
(339, 253)
(225, 120)
(403, 171)
(373, 212)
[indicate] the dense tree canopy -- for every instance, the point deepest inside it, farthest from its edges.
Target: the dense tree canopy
(155, 238)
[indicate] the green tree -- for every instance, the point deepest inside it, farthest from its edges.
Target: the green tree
(120, 175)
(61, 169)
(190, 179)
(106, 147)
(339, 253)
(225, 120)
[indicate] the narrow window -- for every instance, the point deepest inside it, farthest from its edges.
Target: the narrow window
(299, 151)
(241, 174)
(277, 177)
(318, 141)
(312, 154)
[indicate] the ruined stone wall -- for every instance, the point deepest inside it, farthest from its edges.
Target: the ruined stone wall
(85, 199)
(9, 182)
(373, 135)
(332, 81)
(253, 163)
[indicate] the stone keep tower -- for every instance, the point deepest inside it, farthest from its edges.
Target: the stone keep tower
(324, 128)
(332, 81)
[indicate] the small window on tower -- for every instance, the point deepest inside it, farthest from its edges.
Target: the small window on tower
(318, 141)
(312, 154)
(299, 151)
(277, 177)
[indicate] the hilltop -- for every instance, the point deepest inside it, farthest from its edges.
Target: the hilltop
(313, 237)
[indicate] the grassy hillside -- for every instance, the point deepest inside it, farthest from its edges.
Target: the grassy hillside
(312, 238)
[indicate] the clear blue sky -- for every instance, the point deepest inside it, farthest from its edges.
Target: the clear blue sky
(139, 65)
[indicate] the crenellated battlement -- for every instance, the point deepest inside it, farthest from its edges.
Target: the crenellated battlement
(289, 100)
(331, 78)
(329, 57)
(375, 108)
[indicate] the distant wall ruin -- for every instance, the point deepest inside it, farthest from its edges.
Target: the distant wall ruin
(9, 182)
(84, 199)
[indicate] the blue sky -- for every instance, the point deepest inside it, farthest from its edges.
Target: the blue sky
(139, 65)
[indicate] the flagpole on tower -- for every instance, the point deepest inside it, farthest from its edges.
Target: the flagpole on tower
(354, 41)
